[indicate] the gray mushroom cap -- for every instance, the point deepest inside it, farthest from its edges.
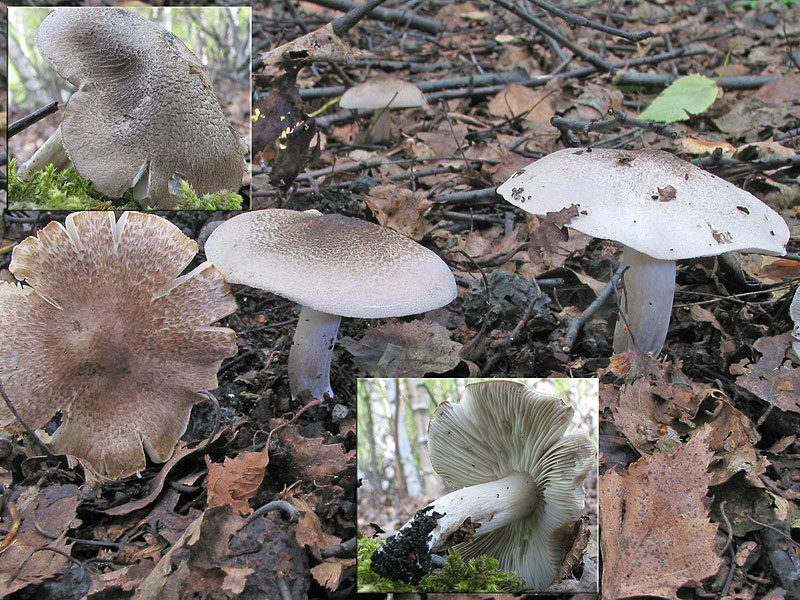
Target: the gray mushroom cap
(503, 427)
(650, 201)
(383, 92)
(333, 264)
(144, 112)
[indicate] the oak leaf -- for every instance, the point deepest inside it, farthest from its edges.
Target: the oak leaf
(773, 379)
(656, 533)
(237, 480)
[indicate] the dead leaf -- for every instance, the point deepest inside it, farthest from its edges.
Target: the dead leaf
(400, 209)
(404, 349)
(333, 571)
(772, 378)
(656, 533)
(519, 101)
(784, 89)
(308, 530)
(321, 45)
(698, 147)
(237, 480)
(53, 509)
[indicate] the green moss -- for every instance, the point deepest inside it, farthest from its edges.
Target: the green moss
(481, 574)
(66, 190)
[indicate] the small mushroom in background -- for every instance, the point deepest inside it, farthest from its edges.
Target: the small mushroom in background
(794, 313)
(144, 116)
(333, 266)
(660, 208)
(108, 332)
(381, 95)
(518, 480)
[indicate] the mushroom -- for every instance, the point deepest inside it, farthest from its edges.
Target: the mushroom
(382, 94)
(144, 116)
(518, 480)
(107, 332)
(660, 208)
(333, 266)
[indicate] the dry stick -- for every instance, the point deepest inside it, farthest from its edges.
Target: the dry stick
(576, 323)
(745, 82)
(31, 433)
(339, 550)
(729, 545)
(577, 21)
(618, 119)
(346, 22)
(387, 14)
(32, 118)
(550, 32)
(16, 573)
(290, 511)
(715, 159)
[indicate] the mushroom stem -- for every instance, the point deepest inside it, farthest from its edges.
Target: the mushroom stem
(647, 303)
(488, 506)
(310, 356)
(51, 152)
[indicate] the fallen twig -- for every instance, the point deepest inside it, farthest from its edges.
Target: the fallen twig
(576, 323)
(387, 15)
(28, 120)
(31, 433)
(618, 119)
(574, 21)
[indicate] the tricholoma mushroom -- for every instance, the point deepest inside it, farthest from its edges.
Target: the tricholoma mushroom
(110, 334)
(518, 480)
(660, 208)
(333, 266)
(144, 116)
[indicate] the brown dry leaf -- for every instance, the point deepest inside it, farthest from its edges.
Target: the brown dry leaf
(220, 552)
(656, 533)
(594, 101)
(697, 147)
(404, 349)
(519, 101)
(321, 44)
(333, 571)
(315, 461)
(761, 150)
(769, 269)
(237, 480)
(400, 209)
(308, 530)
(785, 89)
(53, 509)
(773, 378)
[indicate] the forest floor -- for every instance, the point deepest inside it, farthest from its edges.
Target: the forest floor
(714, 423)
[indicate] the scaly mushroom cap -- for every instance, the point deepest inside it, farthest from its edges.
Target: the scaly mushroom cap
(333, 264)
(503, 427)
(107, 333)
(383, 92)
(143, 99)
(648, 200)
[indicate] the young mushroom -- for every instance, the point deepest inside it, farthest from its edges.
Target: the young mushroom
(660, 208)
(144, 116)
(518, 480)
(109, 333)
(333, 266)
(381, 95)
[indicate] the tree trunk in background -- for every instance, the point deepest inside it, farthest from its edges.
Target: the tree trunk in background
(432, 485)
(370, 470)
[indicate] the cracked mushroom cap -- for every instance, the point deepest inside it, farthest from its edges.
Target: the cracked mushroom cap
(333, 264)
(145, 115)
(500, 428)
(648, 200)
(108, 332)
(383, 92)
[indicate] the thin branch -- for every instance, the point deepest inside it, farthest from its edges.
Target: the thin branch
(575, 21)
(576, 323)
(349, 20)
(31, 433)
(32, 118)
(388, 15)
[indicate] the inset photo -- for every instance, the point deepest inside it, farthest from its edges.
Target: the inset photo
(477, 485)
(129, 108)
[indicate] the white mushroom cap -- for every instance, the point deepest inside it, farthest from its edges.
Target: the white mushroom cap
(145, 115)
(110, 333)
(500, 428)
(333, 264)
(383, 92)
(618, 198)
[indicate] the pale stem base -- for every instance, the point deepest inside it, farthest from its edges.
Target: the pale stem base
(310, 356)
(647, 303)
(51, 152)
(491, 505)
